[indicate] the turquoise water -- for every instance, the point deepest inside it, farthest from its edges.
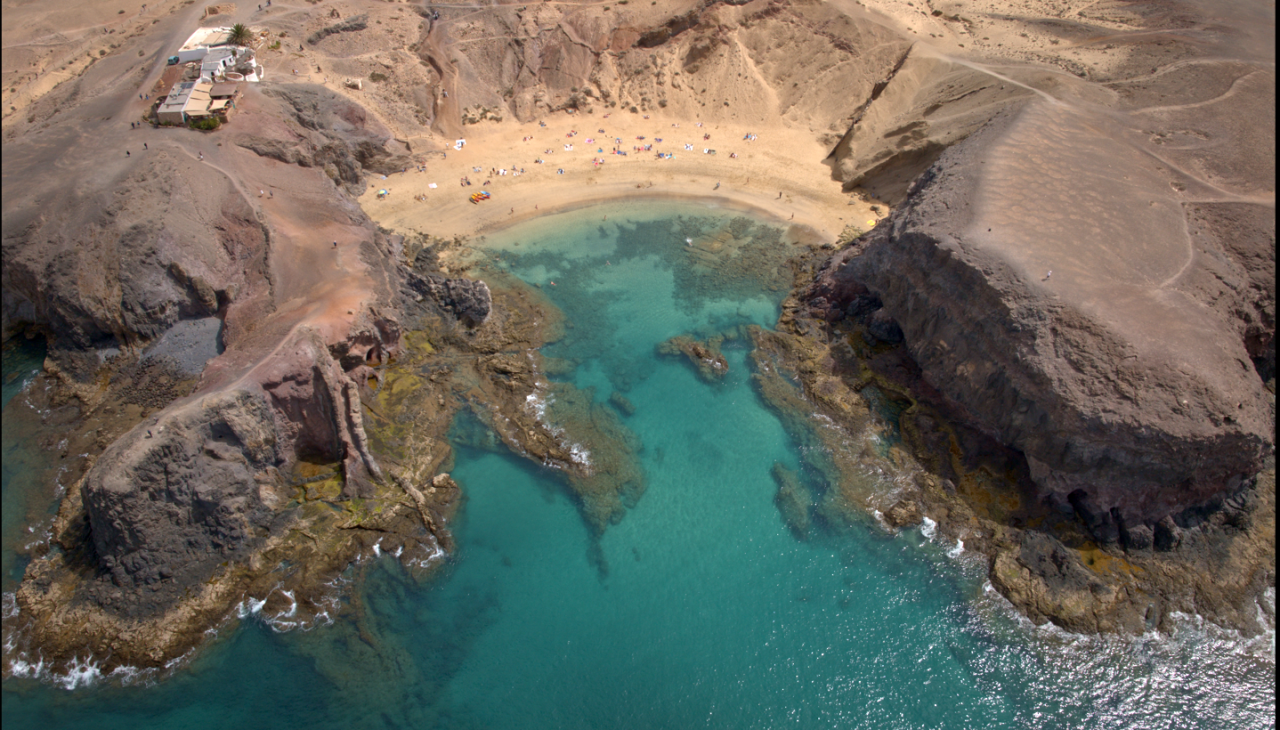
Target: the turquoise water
(698, 609)
(26, 503)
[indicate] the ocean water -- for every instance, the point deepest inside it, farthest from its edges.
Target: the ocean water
(700, 608)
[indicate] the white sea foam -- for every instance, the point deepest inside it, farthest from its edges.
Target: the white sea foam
(20, 667)
(580, 455)
(178, 661)
(928, 527)
(1267, 617)
(537, 405)
(956, 551)
(43, 536)
(250, 607)
(81, 673)
(437, 554)
(293, 604)
(127, 675)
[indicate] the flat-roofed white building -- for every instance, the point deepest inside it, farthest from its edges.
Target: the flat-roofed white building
(201, 41)
(216, 61)
(230, 64)
(186, 100)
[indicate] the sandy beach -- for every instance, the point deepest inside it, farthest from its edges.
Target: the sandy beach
(776, 174)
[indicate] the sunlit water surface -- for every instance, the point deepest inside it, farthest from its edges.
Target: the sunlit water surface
(699, 609)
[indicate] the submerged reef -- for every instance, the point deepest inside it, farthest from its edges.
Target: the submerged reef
(706, 358)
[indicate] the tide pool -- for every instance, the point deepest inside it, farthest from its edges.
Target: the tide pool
(699, 609)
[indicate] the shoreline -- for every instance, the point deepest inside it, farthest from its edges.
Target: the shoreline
(778, 160)
(727, 204)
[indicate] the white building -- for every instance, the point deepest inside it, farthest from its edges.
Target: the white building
(218, 60)
(234, 63)
(201, 41)
(188, 99)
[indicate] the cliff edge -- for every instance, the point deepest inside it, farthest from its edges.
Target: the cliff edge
(1046, 280)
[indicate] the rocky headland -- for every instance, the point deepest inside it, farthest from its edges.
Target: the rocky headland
(1055, 280)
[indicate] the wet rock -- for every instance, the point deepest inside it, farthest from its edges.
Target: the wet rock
(903, 513)
(1048, 581)
(468, 300)
(705, 357)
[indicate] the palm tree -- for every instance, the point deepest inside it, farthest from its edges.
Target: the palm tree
(240, 35)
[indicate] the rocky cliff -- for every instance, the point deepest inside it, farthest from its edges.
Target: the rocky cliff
(178, 496)
(1131, 398)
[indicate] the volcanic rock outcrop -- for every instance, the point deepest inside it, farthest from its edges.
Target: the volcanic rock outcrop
(1130, 399)
(468, 300)
(116, 267)
(175, 498)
